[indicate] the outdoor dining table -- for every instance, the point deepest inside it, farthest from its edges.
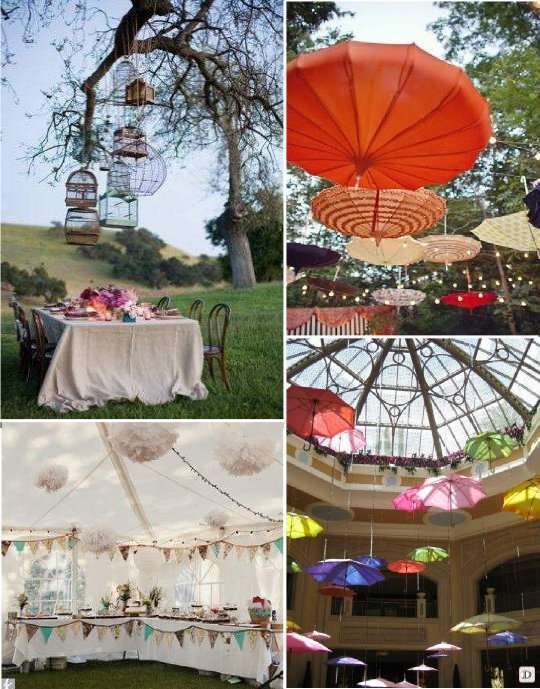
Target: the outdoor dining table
(241, 651)
(97, 361)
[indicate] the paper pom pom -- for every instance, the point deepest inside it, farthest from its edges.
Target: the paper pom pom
(52, 478)
(98, 540)
(216, 518)
(142, 442)
(244, 457)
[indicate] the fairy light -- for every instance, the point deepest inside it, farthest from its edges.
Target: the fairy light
(497, 253)
(501, 300)
(331, 293)
(523, 303)
(357, 299)
(526, 254)
(520, 278)
(484, 285)
(460, 298)
(437, 301)
(530, 282)
(480, 295)
(454, 284)
(497, 283)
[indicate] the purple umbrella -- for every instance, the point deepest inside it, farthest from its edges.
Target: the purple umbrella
(339, 661)
(310, 256)
(371, 561)
(506, 639)
(437, 655)
(344, 573)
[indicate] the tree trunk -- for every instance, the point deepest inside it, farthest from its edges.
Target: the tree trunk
(243, 273)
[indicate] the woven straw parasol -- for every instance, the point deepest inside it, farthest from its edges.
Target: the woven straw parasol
(399, 297)
(449, 248)
(390, 252)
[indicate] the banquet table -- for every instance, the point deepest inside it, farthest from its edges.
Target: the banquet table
(97, 361)
(222, 648)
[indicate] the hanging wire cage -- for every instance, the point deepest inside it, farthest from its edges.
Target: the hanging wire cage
(130, 142)
(117, 209)
(82, 226)
(81, 189)
(139, 93)
(124, 74)
(138, 176)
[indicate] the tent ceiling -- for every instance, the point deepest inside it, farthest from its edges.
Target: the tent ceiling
(174, 500)
(423, 396)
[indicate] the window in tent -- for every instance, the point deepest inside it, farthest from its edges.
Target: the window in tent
(200, 582)
(48, 583)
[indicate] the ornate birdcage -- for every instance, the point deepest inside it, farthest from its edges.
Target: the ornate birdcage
(139, 93)
(81, 189)
(124, 74)
(138, 176)
(117, 209)
(130, 142)
(81, 226)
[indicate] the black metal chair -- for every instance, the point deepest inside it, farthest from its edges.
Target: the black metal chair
(163, 303)
(218, 324)
(196, 310)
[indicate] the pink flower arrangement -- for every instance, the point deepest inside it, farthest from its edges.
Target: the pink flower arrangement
(110, 297)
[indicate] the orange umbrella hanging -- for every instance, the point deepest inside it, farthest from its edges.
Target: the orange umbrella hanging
(383, 116)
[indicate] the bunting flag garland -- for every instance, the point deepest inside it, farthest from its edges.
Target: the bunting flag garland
(86, 629)
(180, 637)
(212, 637)
(124, 551)
(252, 552)
(5, 547)
(46, 633)
(266, 547)
(33, 545)
(166, 554)
(112, 553)
(101, 631)
(178, 554)
(19, 546)
(129, 627)
(279, 544)
(200, 635)
(168, 640)
(116, 630)
(239, 638)
(227, 636)
(227, 549)
(191, 553)
(158, 636)
(239, 551)
(62, 632)
(64, 541)
(49, 542)
(71, 542)
(216, 548)
(148, 631)
(31, 629)
(203, 551)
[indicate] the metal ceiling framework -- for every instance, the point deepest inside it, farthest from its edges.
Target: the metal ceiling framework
(447, 389)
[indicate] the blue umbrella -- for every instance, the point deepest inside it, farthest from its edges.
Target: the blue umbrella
(506, 639)
(345, 660)
(344, 573)
(438, 655)
(371, 561)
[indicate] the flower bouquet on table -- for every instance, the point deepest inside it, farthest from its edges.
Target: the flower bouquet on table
(155, 596)
(109, 301)
(260, 611)
(124, 594)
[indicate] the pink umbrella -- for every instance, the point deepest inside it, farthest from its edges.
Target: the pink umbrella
(452, 492)
(377, 682)
(317, 636)
(298, 643)
(406, 685)
(407, 501)
(444, 647)
(349, 442)
(422, 668)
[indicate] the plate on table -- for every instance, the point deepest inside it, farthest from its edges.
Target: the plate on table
(168, 317)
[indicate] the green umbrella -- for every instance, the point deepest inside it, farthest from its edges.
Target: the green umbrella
(429, 553)
(490, 446)
(292, 566)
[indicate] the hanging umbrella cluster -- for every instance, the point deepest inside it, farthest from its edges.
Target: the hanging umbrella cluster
(317, 412)
(344, 572)
(451, 492)
(524, 499)
(490, 446)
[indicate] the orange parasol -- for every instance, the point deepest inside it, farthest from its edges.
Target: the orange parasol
(383, 116)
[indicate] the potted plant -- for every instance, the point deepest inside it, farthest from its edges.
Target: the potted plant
(106, 603)
(124, 594)
(155, 596)
(22, 599)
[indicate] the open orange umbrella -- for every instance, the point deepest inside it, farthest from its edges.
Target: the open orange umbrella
(383, 116)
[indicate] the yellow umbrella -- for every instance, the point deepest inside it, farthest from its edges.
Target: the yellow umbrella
(390, 252)
(292, 626)
(513, 231)
(302, 526)
(487, 623)
(524, 499)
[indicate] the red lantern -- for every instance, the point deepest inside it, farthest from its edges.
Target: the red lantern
(469, 300)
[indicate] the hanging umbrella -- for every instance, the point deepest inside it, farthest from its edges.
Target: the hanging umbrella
(377, 682)
(469, 300)
(315, 411)
(524, 499)
(309, 256)
(347, 442)
(427, 554)
(444, 647)
(392, 115)
(449, 248)
(339, 287)
(298, 643)
(398, 297)
(292, 626)
(398, 251)
(407, 501)
(487, 623)
(371, 561)
(406, 567)
(511, 231)
(423, 668)
(452, 492)
(381, 214)
(344, 573)
(490, 446)
(532, 201)
(406, 685)
(506, 639)
(437, 655)
(317, 636)
(302, 526)
(337, 592)
(292, 566)
(345, 660)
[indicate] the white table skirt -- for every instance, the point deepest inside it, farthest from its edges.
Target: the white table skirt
(155, 639)
(98, 361)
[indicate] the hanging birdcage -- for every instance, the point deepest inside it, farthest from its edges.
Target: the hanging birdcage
(117, 209)
(81, 226)
(138, 176)
(123, 75)
(130, 142)
(139, 93)
(81, 189)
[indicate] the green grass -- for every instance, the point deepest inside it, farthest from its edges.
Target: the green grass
(254, 350)
(125, 674)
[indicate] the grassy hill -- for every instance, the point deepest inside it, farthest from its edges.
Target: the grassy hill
(26, 246)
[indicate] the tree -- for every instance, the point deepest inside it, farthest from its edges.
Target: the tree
(218, 67)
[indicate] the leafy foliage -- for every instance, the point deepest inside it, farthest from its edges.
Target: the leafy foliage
(37, 283)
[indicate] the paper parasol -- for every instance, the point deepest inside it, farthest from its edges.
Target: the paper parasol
(399, 251)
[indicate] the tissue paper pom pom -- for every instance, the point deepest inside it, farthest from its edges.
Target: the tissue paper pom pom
(244, 457)
(142, 442)
(216, 518)
(98, 540)
(52, 478)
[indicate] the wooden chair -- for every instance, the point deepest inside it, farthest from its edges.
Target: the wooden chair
(27, 343)
(163, 303)
(218, 323)
(43, 352)
(196, 310)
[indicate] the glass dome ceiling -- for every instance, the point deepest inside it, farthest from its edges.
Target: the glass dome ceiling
(423, 396)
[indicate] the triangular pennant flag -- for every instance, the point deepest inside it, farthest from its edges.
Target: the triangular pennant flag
(192, 634)
(116, 630)
(191, 553)
(239, 637)
(71, 542)
(252, 638)
(129, 627)
(33, 545)
(178, 553)
(62, 632)
(168, 639)
(112, 553)
(5, 546)
(227, 547)
(180, 637)
(31, 629)
(46, 632)
(86, 629)
(227, 638)
(124, 551)
(102, 630)
(279, 544)
(216, 547)
(166, 554)
(62, 542)
(239, 550)
(267, 638)
(148, 631)
(201, 635)
(19, 546)
(252, 552)
(213, 637)
(203, 551)
(49, 544)
(158, 636)
(75, 628)
(265, 547)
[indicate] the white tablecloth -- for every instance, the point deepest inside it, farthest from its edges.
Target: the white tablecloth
(156, 639)
(99, 361)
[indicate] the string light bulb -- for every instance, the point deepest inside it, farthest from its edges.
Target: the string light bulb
(331, 293)
(523, 303)
(437, 301)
